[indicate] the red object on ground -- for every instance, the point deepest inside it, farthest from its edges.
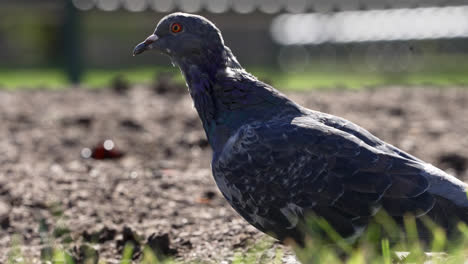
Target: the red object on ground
(104, 150)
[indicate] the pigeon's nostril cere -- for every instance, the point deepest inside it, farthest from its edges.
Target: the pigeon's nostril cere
(151, 39)
(145, 45)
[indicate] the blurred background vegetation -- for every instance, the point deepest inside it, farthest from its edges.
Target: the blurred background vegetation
(52, 43)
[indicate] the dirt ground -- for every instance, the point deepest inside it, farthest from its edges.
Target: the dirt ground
(160, 192)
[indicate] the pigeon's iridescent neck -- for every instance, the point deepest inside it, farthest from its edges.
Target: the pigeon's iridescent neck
(201, 73)
(208, 63)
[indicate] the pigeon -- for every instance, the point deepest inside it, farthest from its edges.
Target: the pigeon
(278, 163)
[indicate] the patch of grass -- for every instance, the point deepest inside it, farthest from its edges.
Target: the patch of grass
(260, 253)
(32, 79)
(437, 71)
(95, 78)
(383, 242)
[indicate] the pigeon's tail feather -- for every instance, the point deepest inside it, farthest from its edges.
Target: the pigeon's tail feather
(446, 186)
(451, 200)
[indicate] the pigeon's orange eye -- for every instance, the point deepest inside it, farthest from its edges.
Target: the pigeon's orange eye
(176, 27)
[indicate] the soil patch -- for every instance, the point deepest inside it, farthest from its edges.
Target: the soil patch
(160, 191)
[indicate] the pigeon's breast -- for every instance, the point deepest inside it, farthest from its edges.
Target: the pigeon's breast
(245, 173)
(223, 169)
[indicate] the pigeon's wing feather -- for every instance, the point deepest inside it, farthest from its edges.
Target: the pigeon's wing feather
(442, 185)
(276, 172)
(361, 133)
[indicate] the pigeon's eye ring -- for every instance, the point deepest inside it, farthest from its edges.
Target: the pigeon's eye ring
(176, 28)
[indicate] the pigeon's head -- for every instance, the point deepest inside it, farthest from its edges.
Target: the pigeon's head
(181, 35)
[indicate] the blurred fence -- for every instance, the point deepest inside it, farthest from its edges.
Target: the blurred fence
(73, 34)
(265, 6)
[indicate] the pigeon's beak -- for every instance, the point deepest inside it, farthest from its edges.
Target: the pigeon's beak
(145, 45)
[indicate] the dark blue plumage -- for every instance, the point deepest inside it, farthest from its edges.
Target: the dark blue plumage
(277, 162)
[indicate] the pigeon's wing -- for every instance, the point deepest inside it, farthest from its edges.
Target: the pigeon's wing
(361, 133)
(275, 173)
